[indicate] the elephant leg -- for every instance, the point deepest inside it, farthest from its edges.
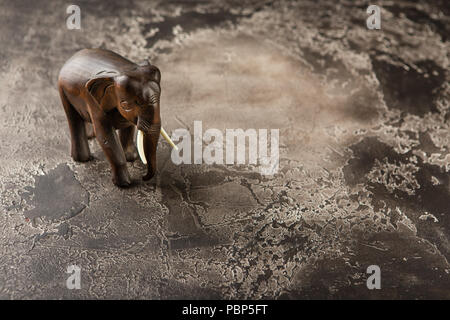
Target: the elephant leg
(107, 138)
(89, 130)
(126, 136)
(79, 143)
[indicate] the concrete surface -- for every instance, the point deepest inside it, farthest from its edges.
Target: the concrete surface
(364, 146)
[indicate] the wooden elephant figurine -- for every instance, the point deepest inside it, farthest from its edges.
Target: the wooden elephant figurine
(103, 88)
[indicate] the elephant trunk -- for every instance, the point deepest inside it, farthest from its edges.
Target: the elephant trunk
(150, 145)
(150, 141)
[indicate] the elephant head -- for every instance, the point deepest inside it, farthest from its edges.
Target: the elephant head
(137, 96)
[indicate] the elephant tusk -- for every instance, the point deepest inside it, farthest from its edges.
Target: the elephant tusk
(140, 143)
(140, 146)
(166, 136)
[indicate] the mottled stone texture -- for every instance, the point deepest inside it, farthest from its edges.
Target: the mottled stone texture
(364, 145)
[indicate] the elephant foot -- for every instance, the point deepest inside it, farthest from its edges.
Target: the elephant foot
(90, 133)
(121, 177)
(82, 159)
(81, 156)
(131, 154)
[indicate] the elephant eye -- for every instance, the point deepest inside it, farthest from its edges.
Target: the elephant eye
(125, 105)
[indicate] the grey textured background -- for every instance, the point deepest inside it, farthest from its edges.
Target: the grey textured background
(364, 145)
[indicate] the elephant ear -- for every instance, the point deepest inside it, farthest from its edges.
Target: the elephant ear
(97, 85)
(155, 74)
